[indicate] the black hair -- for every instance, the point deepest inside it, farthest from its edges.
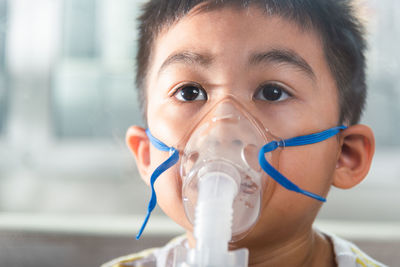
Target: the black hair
(341, 31)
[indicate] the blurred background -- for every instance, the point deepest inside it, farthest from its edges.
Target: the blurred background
(70, 194)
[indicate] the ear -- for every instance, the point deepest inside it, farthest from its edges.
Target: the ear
(139, 144)
(354, 160)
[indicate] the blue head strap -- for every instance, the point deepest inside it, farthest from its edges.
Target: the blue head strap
(295, 141)
(171, 161)
(271, 171)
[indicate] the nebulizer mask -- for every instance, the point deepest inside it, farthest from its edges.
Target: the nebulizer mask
(225, 166)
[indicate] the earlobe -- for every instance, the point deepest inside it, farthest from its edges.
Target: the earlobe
(139, 144)
(354, 160)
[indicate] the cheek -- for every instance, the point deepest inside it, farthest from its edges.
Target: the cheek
(169, 198)
(168, 187)
(311, 167)
(169, 125)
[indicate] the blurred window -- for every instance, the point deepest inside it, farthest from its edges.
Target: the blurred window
(93, 93)
(383, 109)
(3, 26)
(73, 92)
(80, 28)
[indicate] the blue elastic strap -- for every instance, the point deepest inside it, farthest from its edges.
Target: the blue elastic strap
(295, 141)
(172, 160)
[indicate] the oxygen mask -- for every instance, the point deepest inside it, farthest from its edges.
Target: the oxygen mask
(227, 140)
(228, 156)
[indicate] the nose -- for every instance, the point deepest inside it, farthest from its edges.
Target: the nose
(228, 126)
(222, 139)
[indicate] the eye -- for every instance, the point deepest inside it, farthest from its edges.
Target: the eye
(271, 92)
(190, 92)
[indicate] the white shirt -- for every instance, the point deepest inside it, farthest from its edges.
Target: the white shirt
(349, 255)
(346, 254)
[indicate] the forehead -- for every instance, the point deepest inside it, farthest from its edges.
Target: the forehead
(225, 30)
(216, 49)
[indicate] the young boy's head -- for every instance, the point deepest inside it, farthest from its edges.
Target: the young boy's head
(297, 66)
(335, 23)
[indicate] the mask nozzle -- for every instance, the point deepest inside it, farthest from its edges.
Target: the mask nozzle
(218, 185)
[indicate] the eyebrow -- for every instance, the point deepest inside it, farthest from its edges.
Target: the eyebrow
(187, 57)
(284, 56)
(277, 55)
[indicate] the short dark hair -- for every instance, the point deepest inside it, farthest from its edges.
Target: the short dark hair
(342, 34)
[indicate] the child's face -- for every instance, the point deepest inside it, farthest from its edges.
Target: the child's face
(232, 52)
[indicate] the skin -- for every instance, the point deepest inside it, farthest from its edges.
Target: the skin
(227, 38)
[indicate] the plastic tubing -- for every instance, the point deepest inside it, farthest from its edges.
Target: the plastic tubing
(218, 187)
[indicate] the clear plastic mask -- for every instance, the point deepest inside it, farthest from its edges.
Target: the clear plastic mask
(227, 134)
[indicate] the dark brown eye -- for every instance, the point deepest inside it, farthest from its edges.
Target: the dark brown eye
(190, 92)
(271, 92)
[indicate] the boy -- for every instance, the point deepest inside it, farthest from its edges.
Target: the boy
(297, 67)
